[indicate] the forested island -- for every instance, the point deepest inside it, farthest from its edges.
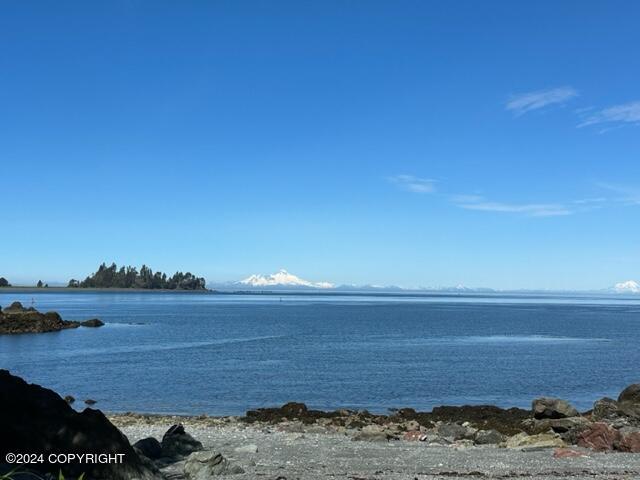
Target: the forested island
(129, 277)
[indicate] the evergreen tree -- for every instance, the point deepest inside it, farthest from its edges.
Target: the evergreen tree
(129, 277)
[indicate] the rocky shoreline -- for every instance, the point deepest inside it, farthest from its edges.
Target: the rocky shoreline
(552, 432)
(552, 440)
(16, 319)
(612, 425)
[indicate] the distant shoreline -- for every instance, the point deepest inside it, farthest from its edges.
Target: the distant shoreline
(529, 295)
(22, 289)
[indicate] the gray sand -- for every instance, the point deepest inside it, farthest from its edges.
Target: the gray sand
(333, 455)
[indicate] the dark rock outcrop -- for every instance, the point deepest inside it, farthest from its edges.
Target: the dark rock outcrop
(631, 394)
(17, 307)
(17, 319)
(149, 447)
(177, 443)
(93, 323)
(294, 409)
(37, 420)
(485, 417)
(289, 411)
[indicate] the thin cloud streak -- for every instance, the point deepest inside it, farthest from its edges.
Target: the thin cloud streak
(414, 184)
(472, 202)
(626, 113)
(530, 101)
(627, 195)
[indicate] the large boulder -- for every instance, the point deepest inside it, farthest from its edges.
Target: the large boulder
(149, 447)
(204, 465)
(547, 407)
(568, 428)
(455, 431)
(177, 443)
(630, 394)
(618, 414)
(37, 420)
(563, 425)
(630, 442)
(605, 409)
(488, 437)
(525, 442)
(599, 436)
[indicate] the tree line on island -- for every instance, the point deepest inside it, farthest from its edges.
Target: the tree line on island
(129, 277)
(5, 283)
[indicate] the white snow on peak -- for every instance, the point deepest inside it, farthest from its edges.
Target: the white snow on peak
(282, 278)
(629, 286)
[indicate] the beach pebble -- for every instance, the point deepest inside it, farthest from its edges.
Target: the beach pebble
(249, 448)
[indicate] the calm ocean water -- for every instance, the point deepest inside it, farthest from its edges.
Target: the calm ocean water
(224, 354)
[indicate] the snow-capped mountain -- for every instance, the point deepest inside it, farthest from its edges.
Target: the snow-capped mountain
(630, 286)
(282, 279)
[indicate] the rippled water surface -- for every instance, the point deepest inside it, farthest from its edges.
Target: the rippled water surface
(223, 354)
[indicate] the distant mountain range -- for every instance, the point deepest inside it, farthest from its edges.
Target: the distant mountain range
(284, 280)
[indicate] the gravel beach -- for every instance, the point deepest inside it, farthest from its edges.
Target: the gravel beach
(270, 453)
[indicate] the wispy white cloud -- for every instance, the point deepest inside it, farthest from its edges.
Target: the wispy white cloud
(473, 202)
(618, 115)
(619, 195)
(590, 201)
(414, 184)
(624, 194)
(527, 102)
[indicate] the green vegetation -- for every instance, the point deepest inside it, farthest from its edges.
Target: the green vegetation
(4, 282)
(129, 277)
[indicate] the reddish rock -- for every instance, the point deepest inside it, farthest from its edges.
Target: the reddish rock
(630, 443)
(567, 453)
(600, 437)
(413, 436)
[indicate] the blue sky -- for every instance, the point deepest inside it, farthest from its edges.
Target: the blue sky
(414, 143)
